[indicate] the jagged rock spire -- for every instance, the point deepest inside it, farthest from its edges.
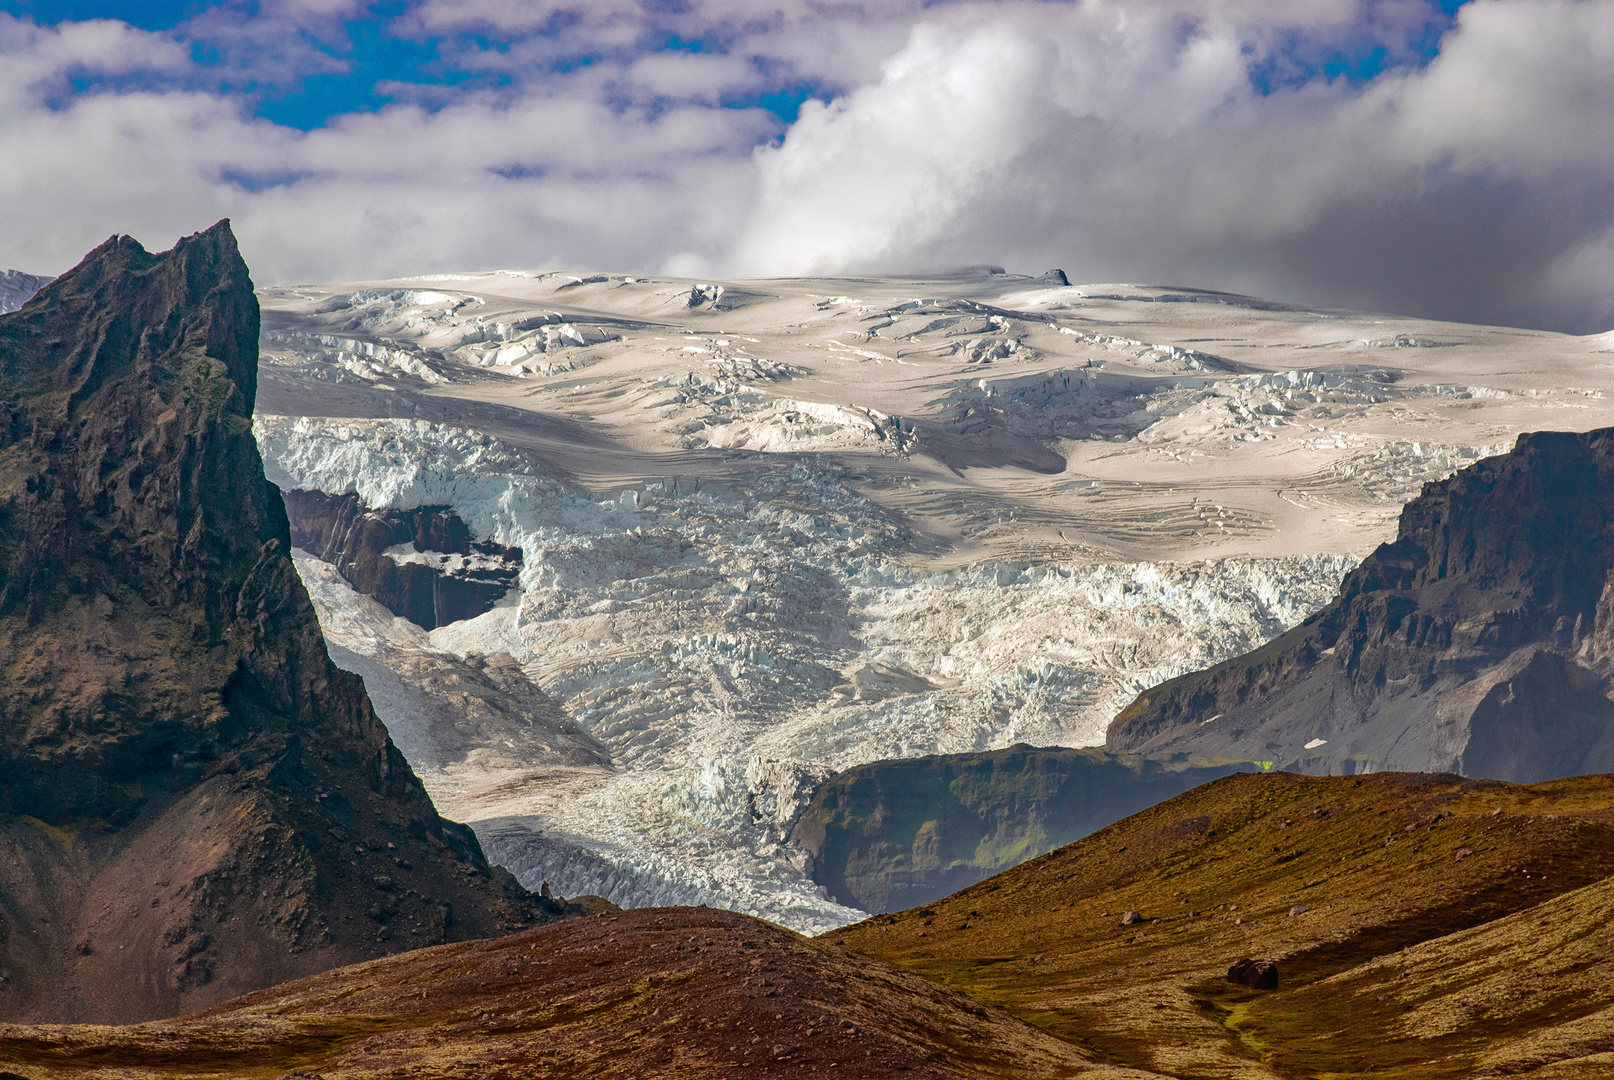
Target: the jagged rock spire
(196, 802)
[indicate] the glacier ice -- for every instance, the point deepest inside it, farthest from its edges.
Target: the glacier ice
(774, 529)
(730, 643)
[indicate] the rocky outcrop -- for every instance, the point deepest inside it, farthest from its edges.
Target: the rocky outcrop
(1255, 974)
(194, 802)
(1481, 641)
(894, 834)
(444, 710)
(421, 564)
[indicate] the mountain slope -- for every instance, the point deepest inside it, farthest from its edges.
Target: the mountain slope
(1531, 994)
(1481, 641)
(196, 802)
(1320, 875)
(673, 992)
(893, 834)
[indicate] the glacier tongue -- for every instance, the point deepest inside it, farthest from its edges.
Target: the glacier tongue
(728, 643)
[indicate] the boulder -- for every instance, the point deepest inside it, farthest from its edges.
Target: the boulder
(1255, 974)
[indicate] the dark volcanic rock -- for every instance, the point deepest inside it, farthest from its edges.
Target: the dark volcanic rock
(437, 573)
(196, 803)
(1481, 641)
(1256, 974)
(895, 834)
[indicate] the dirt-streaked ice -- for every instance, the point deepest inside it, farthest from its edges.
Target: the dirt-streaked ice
(775, 529)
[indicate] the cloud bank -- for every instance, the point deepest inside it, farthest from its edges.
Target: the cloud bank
(1384, 155)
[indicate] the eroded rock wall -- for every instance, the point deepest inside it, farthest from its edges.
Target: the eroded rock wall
(196, 802)
(1476, 642)
(421, 564)
(892, 835)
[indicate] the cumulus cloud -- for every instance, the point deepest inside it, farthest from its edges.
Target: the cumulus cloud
(597, 169)
(1137, 147)
(1366, 153)
(877, 178)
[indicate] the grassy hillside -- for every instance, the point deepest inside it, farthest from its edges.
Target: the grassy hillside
(689, 993)
(1331, 878)
(1422, 927)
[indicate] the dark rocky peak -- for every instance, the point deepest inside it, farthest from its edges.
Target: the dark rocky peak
(1481, 640)
(421, 564)
(137, 534)
(194, 802)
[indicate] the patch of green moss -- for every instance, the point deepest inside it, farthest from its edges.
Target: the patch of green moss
(63, 837)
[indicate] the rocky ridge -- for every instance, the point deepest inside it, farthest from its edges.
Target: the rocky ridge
(197, 803)
(890, 835)
(1480, 641)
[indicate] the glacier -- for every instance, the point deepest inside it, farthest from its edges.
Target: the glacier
(774, 530)
(730, 645)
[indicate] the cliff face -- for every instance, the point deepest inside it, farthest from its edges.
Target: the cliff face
(895, 834)
(194, 802)
(436, 572)
(1481, 641)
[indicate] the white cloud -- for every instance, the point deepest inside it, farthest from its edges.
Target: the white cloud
(552, 174)
(1118, 139)
(1138, 149)
(1580, 282)
(868, 180)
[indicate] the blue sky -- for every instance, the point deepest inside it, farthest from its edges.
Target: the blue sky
(1247, 144)
(369, 46)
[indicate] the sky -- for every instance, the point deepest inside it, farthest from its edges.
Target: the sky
(1422, 157)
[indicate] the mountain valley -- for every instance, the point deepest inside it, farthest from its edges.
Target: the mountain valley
(1396, 925)
(774, 530)
(778, 659)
